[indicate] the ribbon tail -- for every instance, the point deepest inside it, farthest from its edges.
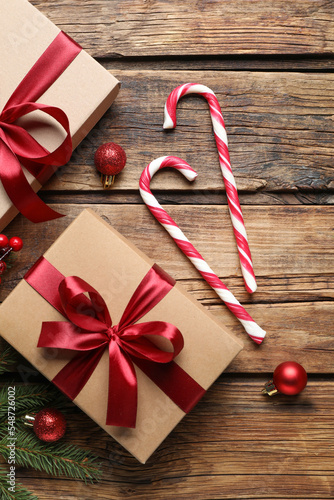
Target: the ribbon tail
(19, 190)
(122, 398)
(74, 376)
(175, 382)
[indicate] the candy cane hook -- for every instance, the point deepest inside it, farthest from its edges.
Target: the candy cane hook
(253, 330)
(224, 161)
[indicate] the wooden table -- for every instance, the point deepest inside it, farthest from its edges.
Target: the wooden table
(270, 63)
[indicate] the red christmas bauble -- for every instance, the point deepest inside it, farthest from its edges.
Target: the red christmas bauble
(49, 425)
(3, 241)
(110, 158)
(290, 378)
(16, 243)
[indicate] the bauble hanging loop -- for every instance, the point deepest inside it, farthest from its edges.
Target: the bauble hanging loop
(289, 378)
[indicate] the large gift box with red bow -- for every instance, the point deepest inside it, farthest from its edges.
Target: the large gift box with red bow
(52, 94)
(122, 340)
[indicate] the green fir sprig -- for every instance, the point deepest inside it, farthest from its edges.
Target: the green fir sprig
(30, 398)
(20, 493)
(58, 459)
(8, 357)
(55, 458)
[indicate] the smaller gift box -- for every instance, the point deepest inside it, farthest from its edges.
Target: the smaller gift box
(52, 95)
(110, 328)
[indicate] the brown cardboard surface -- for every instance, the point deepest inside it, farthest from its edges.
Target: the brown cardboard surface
(84, 91)
(209, 346)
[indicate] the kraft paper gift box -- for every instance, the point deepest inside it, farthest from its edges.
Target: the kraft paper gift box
(114, 267)
(84, 91)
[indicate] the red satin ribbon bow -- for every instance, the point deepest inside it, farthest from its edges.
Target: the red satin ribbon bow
(90, 331)
(18, 147)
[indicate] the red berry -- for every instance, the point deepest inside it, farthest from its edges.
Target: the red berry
(3, 241)
(3, 267)
(16, 243)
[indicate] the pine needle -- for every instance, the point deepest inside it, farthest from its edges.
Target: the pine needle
(20, 492)
(54, 458)
(30, 398)
(8, 358)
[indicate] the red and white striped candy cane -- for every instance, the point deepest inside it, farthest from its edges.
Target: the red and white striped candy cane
(224, 160)
(253, 330)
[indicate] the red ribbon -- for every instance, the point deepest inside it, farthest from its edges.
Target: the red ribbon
(18, 147)
(90, 331)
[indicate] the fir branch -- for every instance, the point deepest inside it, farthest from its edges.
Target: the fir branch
(20, 492)
(8, 358)
(54, 458)
(30, 398)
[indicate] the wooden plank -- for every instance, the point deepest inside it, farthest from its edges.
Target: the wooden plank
(236, 444)
(156, 28)
(290, 246)
(299, 332)
(228, 487)
(285, 241)
(282, 289)
(280, 128)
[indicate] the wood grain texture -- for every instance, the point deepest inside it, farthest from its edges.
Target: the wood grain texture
(236, 444)
(285, 241)
(163, 27)
(280, 128)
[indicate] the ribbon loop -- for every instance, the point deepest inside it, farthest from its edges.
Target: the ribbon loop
(89, 314)
(134, 341)
(18, 146)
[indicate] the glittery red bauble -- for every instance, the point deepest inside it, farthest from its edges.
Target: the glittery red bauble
(49, 425)
(110, 158)
(290, 378)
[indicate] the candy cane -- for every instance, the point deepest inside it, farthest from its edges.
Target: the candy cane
(224, 160)
(253, 330)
